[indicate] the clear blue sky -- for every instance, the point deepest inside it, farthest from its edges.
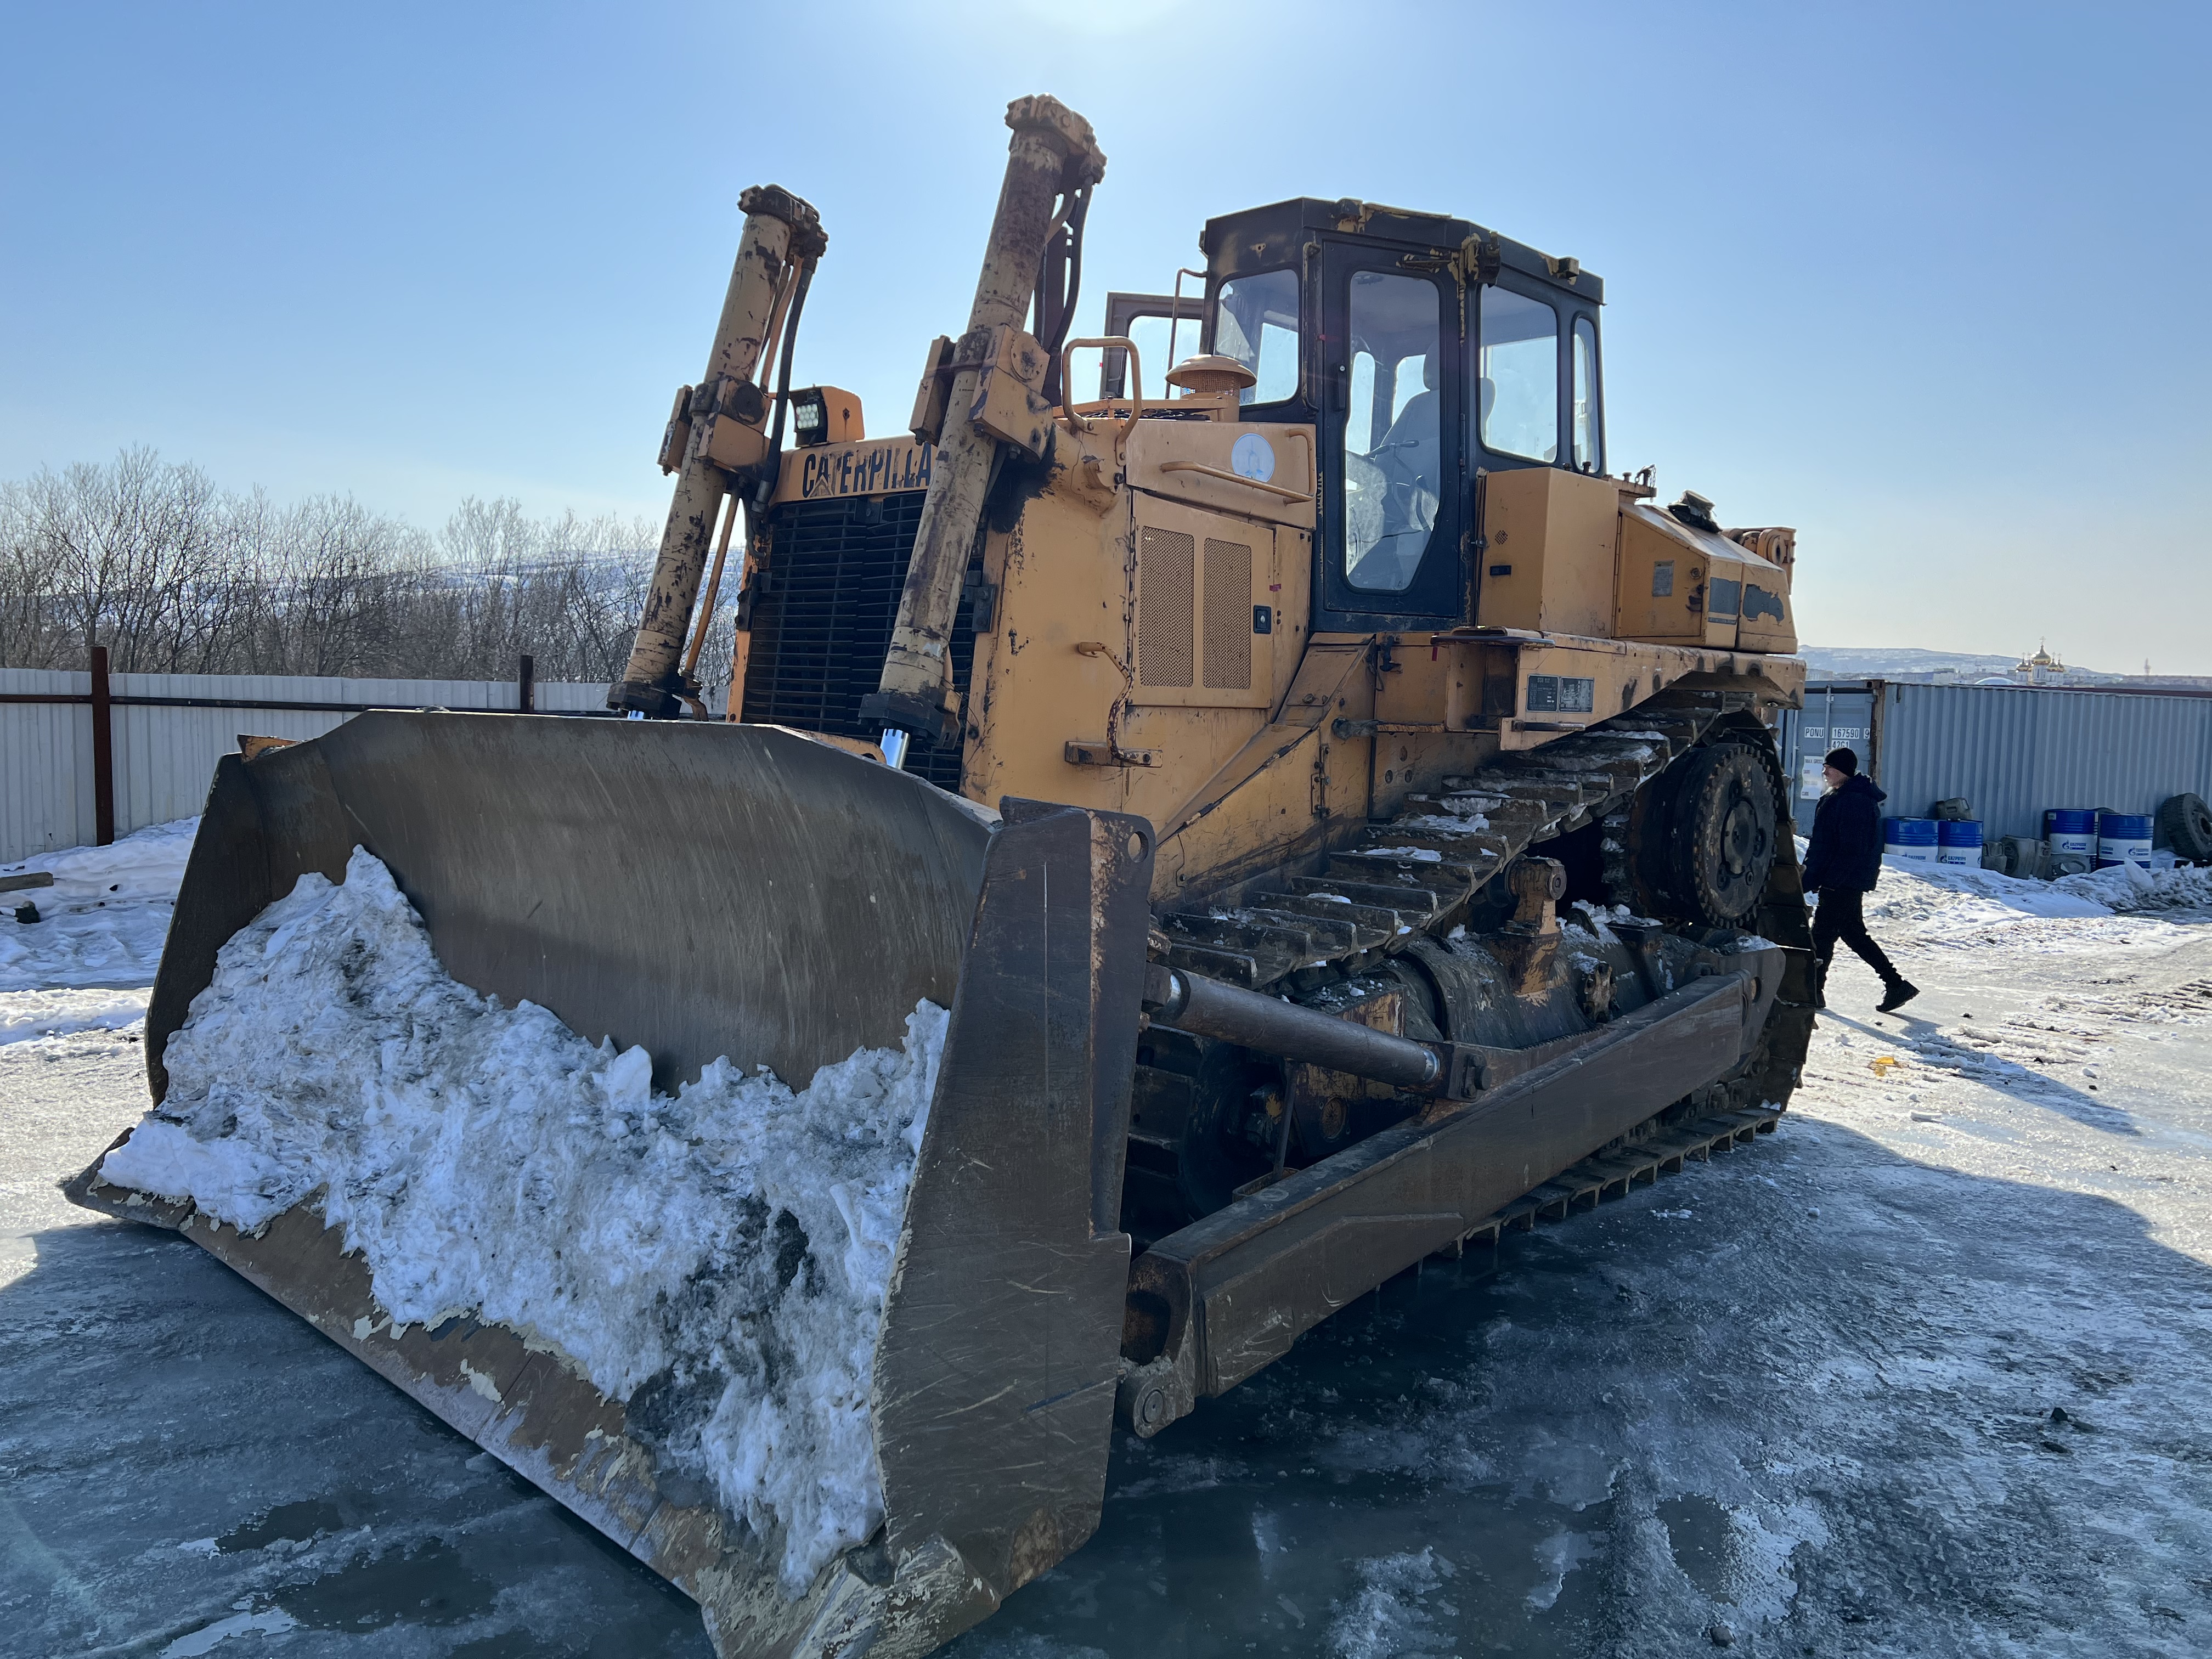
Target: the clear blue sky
(1926, 281)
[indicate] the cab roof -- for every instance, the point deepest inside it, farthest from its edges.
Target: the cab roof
(1267, 238)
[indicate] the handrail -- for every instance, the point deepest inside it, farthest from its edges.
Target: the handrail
(1110, 341)
(1234, 478)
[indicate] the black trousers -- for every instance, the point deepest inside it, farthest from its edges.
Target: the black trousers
(1837, 919)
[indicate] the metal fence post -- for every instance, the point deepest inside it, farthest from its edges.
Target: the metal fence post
(525, 685)
(103, 754)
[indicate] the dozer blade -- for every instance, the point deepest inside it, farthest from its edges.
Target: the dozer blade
(709, 890)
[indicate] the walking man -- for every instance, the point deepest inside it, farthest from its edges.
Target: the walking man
(1842, 867)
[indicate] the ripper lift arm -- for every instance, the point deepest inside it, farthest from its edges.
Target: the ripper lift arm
(718, 443)
(1052, 161)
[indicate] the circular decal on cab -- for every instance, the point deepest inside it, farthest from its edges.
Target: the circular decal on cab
(1253, 457)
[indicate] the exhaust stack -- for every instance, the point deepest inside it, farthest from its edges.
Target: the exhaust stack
(717, 439)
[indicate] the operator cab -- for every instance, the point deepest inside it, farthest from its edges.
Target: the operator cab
(1427, 351)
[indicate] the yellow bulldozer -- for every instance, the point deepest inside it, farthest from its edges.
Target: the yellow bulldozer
(1339, 813)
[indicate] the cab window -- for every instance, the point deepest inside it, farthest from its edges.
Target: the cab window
(1161, 343)
(1393, 451)
(1520, 371)
(1588, 425)
(1257, 324)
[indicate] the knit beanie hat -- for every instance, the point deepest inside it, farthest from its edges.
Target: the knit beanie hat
(1844, 760)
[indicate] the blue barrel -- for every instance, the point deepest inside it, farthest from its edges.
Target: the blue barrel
(1912, 839)
(2122, 838)
(1959, 841)
(2071, 832)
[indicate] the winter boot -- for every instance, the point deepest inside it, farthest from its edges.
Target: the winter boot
(1895, 995)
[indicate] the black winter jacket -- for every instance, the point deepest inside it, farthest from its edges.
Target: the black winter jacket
(1845, 856)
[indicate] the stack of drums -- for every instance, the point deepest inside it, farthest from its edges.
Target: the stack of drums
(1959, 841)
(2070, 836)
(1911, 839)
(2122, 838)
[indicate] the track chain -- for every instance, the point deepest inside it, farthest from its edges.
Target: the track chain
(1408, 875)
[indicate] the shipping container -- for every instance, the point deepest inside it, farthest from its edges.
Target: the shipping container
(1839, 716)
(2011, 751)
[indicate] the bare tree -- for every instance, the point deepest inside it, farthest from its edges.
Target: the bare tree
(114, 554)
(175, 575)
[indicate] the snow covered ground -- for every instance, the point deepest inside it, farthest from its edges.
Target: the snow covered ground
(86, 964)
(102, 922)
(1926, 1372)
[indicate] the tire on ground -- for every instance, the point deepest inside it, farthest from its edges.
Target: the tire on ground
(2185, 824)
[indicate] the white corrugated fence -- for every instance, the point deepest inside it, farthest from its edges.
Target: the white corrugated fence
(164, 754)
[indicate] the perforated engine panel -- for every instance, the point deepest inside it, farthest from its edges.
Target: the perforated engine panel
(1228, 616)
(1167, 609)
(821, 612)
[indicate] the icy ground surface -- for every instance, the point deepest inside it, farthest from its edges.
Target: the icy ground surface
(716, 1260)
(1802, 1398)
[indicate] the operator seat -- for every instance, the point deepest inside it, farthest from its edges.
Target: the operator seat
(1409, 458)
(1413, 444)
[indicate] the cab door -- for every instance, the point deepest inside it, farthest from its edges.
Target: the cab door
(1394, 438)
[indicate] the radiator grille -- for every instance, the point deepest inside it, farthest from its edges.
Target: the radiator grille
(822, 614)
(1166, 645)
(1228, 616)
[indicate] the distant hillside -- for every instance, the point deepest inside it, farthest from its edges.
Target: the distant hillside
(1863, 662)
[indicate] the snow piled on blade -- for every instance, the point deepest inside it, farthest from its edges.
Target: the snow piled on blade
(716, 1260)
